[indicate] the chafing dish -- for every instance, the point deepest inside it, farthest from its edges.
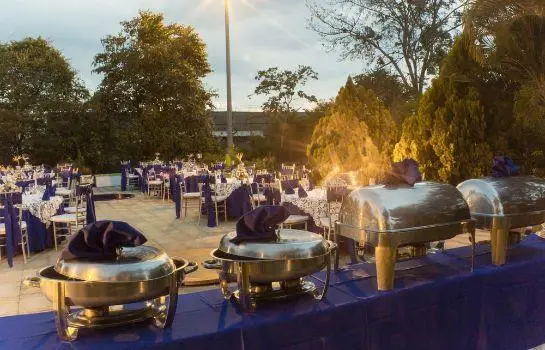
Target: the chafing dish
(139, 274)
(388, 217)
(502, 204)
(273, 270)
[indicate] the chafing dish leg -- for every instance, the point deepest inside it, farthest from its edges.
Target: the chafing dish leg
(64, 330)
(244, 288)
(499, 237)
(333, 250)
(473, 238)
(224, 285)
(385, 255)
(164, 311)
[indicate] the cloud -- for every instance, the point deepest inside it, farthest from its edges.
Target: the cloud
(264, 33)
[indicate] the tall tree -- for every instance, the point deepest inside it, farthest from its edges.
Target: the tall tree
(285, 97)
(152, 87)
(356, 135)
(448, 134)
(390, 91)
(40, 102)
(408, 38)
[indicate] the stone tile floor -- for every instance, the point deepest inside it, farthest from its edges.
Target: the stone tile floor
(156, 219)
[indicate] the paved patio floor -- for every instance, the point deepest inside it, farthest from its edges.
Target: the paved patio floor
(156, 219)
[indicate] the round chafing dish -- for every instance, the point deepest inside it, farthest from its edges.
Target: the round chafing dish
(139, 274)
(274, 269)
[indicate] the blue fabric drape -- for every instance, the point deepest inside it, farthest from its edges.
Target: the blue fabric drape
(289, 186)
(178, 194)
(239, 202)
(272, 195)
(12, 228)
(124, 170)
(208, 208)
(172, 180)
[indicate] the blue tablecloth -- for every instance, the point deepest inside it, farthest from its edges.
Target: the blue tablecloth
(39, 236)
(437, 304)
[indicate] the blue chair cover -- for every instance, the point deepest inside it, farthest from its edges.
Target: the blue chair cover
(11, 222)
(124, 177)
(178, 194)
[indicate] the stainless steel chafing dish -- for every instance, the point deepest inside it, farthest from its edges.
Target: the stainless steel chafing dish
(140, 274)
(273, 270)
(389, 217)
(502, 204)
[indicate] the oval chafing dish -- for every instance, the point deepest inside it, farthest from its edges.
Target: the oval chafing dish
(388, 217)
(504, 203)
(139, 274)
(273, 270)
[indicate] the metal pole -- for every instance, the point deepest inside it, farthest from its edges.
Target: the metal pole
(228, 68)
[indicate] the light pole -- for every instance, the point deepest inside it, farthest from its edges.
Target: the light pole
(228, 68)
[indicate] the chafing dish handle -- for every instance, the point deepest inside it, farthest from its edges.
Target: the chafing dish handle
(332, 250)
(32, 282)
(191, 267)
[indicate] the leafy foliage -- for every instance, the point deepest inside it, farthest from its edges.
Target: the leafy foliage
(290, 131)
(408, 38)
(390, 91)
(357, 135)
(152, 90)
(448, 134)
(41, 103)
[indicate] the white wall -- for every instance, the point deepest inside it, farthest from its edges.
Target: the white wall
(108, 180)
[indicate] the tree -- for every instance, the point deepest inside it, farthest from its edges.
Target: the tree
(408, 38)
(448, 135)
(356, 135)
(152, 88)
(41, 102)
(390, 91)
(285, 98)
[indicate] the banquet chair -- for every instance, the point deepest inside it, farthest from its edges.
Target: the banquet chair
(69, 222)
(292, 220)
(166, 188)
(22, 224)
(155, 185)
(258, 197)
(132, 181)
(195, 197)
(327, 223)
(219, 200)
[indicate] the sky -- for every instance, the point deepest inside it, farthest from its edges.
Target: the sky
(264, 33)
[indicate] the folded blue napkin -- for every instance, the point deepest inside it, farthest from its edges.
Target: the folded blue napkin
(301, 192)
(504, 166)
(99, 241)
(404, 172)
(47, 192)
(260, 223)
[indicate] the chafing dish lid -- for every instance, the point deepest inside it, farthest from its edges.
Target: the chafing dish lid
(505, 196)
(290, 244)
(384, 208)
(133, 264)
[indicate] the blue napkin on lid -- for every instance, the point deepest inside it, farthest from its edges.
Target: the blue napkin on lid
(504, 166)
(260, 223)
(404, 172)
(301, 192)
(99, 241)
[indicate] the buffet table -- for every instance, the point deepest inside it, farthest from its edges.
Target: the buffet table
(437, 304)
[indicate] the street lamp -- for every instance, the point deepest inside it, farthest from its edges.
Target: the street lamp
(228, 68)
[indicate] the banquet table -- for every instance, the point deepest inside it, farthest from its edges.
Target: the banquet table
(314, 206)
(36, 213)
(437, 303)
